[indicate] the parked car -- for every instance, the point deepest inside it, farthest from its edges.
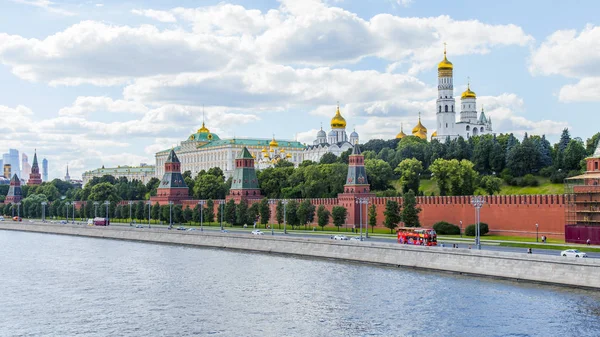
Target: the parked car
(181, 228)
(1, 218)
(16, 218)
(139, 226)
(355, 238)
(573, 253)
(340, 237)
(64, 222)
(257, 232)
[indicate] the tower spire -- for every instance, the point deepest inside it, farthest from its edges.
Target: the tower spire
(444, 49)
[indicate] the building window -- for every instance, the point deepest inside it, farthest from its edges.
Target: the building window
(481, 129)
(453, 108)
(468, 127)
(596, 166)
(446, 125)
(446, 108)
(440, 108)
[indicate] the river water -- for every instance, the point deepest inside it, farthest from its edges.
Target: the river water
(52, 285)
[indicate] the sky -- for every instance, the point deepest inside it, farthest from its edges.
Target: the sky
(111, 83)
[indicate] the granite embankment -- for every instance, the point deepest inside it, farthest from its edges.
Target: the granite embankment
(518, 266)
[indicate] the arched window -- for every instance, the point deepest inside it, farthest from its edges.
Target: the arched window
(453, 108)
(446, 108)
(481, 129)
(446, 125)
(468, 128)
(440, 107)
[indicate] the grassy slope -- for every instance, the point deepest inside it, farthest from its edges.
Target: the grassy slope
(545, 187)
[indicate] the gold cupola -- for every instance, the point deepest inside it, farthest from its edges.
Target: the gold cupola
(468, 93)
(338, 121)
(445, 67)
(203, 129)
(273, 143)
(419, 130)
(401, 134)
(434, 134)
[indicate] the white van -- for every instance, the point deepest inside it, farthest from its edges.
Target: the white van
(90, 222)
(1, 218)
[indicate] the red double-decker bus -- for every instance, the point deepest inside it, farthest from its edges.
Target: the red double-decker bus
(417, 236)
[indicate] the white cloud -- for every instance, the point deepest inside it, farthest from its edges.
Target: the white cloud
(161, 16)
(573, 55)
(45, 4)
(86, 104)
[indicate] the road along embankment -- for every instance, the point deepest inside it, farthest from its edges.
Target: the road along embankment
(517, 266)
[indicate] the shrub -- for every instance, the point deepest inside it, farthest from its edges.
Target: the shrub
(558, 177)
(529, 180)
(483, 227)
(446, 228)
(546, 172)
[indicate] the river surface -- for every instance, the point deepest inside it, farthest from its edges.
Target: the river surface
(52, 285)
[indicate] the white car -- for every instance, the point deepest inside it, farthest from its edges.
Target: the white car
(573, 252)
(355, 238)
(340, 237)
(257, 232)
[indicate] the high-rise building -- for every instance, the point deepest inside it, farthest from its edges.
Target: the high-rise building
(7, 171)
(25, 167)
(12, 158)
(45, 169)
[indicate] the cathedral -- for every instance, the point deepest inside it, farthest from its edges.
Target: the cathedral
(470, 124)
(336, 142)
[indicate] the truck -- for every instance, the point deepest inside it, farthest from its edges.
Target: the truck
(101, 222)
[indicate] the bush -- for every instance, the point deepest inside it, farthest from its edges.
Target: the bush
(529, 180)
(446, 228)
(483, 227)
(547, 172)
(558, 177)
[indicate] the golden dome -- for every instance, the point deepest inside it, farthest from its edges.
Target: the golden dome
(271, 150)
(468, 93)
(434, 134)
(419, 130)
(264, 150)
(289, 155)
(273, 143)
(338, 121)
(266, 155)
(203, 129)
(445, 64)
(401, 134)
(282, 151)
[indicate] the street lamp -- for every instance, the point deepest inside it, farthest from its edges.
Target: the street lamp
(130, 218)
(202, 203)
(477, 202)
(360, 202)
(170, 214)
(536, 232)
(73, 212)
(284, 202)
(67, 211)
(106, 203)
(221, 203)
(149, 203)
(461, 228)
(96, 209)
(44, 211)
(272, 202)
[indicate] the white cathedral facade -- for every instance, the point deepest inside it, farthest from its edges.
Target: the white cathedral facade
(469, 124)
(336, 142)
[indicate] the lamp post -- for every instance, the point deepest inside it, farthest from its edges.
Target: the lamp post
(149, 203)
(536, 232)
(130, 218)
(461, 228)
(67, 211)
(202, 203)
(221, 203)
(284, 202)
(170, 214)
(272, 202)
(96, 209)
(106, 203)
(44, 211)
(73, 203)
(477, 202)
(360, 202)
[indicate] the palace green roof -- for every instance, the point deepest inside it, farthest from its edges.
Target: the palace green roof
(123, 170)
(251, 142)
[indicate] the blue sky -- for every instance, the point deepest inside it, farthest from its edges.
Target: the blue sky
(111, 82)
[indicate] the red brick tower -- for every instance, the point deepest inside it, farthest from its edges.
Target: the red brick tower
(35, 178)
(244, 183)
(14, 194)
(357, 186)
(172, 186)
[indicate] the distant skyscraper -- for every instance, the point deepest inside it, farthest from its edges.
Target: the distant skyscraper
(45, 169)
(67, 177)
(2, 165)
(12, 158)
(7, 171)
(25, 167)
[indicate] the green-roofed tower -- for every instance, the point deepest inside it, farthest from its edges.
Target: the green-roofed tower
(172, 186)
(244, 184)
(14, 194)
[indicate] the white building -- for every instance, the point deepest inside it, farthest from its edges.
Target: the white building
(142, 173)
(336, 142)
(447, 126)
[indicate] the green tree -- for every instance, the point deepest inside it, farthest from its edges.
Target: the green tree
(391, 214)
(339, 214)
(165, 213)
(410, 210)
(178, 213)
(187, 214)
(491, 184)
(102, 192)
(592, 143)
(328, 158)
(209, 212)
(209, 187)
(323, 215)
(241, 213)
(139, 210)
(409, 171)
(380, 173)
(156, 212)
(230, 212)
(279, 213)
(372, 217)
(253, 213)
(574, 153)
(306, 212)
(291, 214)
(264, 211)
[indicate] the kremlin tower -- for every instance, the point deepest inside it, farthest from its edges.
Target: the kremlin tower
(172, 186)
(356, 186)
(35, 178)
(245, 184)
(14, 194)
